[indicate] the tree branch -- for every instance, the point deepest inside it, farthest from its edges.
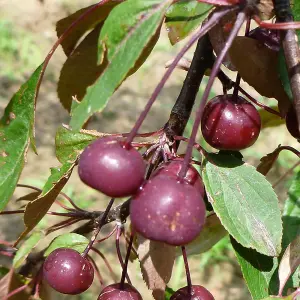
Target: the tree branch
(291, 51)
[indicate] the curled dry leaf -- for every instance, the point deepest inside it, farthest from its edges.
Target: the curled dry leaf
(289, 263)
(258, 67)
(156, 261)
(265, 9)
(218, 36)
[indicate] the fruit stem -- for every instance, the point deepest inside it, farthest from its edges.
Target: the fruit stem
(100, 225)
(97, 271)
(265, 107)
(119, 232)
(187, 270)
(113, 275)
(286, 174)
(214, 72)
(200, 33)
(124, 272)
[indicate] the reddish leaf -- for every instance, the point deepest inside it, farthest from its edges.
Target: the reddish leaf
(219, 34)
(289, 262)
(29, 197)
(267, 161)
(156, 260)
(80, 70)
(96, 17)
(258, 67)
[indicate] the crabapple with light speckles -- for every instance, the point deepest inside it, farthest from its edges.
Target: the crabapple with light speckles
(68, 272)
(168, 210)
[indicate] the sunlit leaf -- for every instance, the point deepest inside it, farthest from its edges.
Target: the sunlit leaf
(26, 248)
(126, 33)
(183, 17)
(70, 144)
(16, 132)
(245, 202)
(68, 240)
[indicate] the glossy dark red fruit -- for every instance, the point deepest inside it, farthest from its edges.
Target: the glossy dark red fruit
(198, 293)
(230, 123)
(113, 292)
(172, 168)
(68, 272)
(292, 123)
(107, 166)
(168, 210)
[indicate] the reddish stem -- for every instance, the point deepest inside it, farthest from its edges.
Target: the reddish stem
(97, 271)
(16, 291)
(108, 236)
(200, 33)
(265, 107)
(101, 223)
(187, 270)
(124, 272)
(113, 275)
(214, 72)
(119, 233)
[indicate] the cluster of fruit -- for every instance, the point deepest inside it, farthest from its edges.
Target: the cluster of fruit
(168, 207)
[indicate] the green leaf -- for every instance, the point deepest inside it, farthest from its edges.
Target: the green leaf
(26, 248)
(291, 213)
(127, 31)
(37, 209)
(3, 271)
(168, 293)
(97, 16)
(245, 202)
(212, 232)
(68, 240)
(260, 271)
(270, 120)
(283, 74)
(183, 17)
(16, 131)
(70, 144)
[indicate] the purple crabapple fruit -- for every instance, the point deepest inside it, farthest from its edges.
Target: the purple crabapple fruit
(168, 210)
(292, 124)
(109, 167)
(173, 167)
(230, 123)
(114, 292)
(198, 293)
(68, 272)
